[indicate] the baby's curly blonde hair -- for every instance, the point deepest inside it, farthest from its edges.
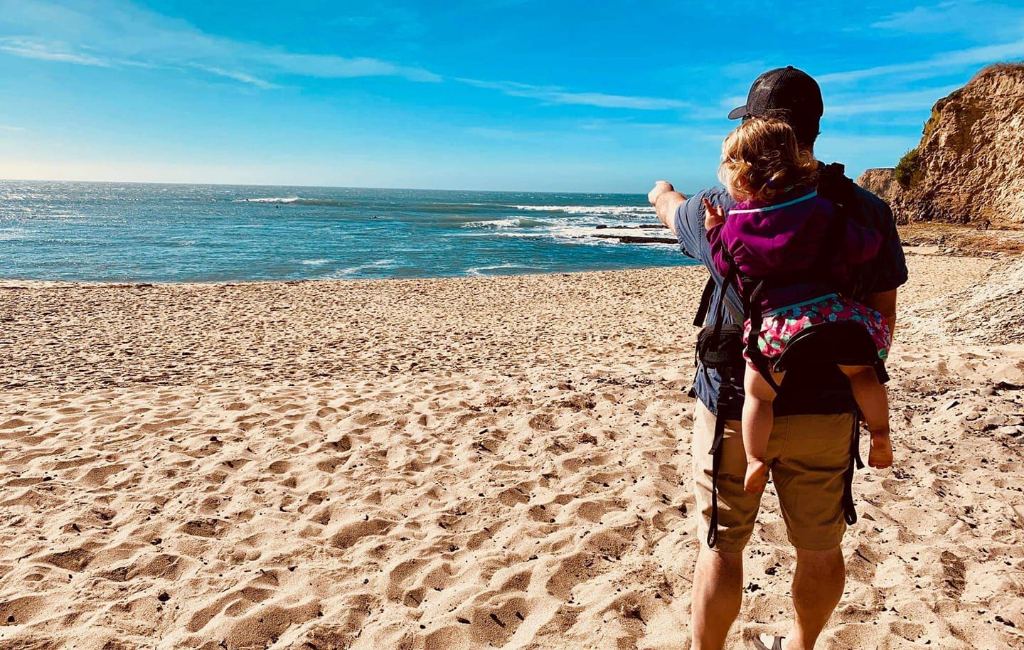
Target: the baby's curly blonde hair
(761, 159)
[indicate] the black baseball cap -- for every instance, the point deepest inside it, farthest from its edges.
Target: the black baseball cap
(789, 93)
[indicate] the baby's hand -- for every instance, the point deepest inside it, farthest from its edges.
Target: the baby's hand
(712, 216)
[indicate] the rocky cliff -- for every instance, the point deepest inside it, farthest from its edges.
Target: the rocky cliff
(969, 166)
(881, 181)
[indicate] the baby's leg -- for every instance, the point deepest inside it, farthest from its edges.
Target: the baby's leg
(758, 420)
(874, 404)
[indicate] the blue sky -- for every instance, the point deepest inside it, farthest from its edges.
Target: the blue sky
(475, 94)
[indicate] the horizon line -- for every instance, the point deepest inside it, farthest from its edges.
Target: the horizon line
(325, 187)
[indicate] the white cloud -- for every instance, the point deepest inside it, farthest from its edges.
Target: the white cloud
(237, 76)
(326, 66)
(970, 17)
(33, 49)
(508, 135)
(556, 95)
(944, 63)
(617, 101)
(116, 33)
(917, 101)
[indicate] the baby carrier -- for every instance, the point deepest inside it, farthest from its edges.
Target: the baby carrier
(845, 343)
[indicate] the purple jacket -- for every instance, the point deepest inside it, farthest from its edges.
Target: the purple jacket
(787, 238)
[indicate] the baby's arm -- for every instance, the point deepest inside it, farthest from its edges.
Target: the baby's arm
(719, 249)
(714, 230)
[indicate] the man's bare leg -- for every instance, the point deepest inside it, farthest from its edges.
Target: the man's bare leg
(717, 594)
(818, 584)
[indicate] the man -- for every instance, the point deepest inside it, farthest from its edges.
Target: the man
(810, 447)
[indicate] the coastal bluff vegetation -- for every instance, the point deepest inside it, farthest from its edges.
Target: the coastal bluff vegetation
(969, 166)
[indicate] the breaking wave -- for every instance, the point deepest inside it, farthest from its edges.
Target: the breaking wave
(602, 210)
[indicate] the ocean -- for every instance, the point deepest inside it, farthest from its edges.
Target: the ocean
(121, 232)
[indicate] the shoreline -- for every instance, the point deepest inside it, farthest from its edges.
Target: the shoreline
(44, 284)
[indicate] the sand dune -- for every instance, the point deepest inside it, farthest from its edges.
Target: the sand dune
(452, 464)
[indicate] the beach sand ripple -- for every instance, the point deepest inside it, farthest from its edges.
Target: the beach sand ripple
(448, 464)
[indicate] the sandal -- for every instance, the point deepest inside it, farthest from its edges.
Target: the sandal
(759, 645)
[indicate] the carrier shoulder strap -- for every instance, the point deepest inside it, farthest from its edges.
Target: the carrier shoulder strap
(837, 187)
(834, 185)
(725, 395)
(705, 301)
(716, 453)
(752, 306)
(729, 279)
(849, 508)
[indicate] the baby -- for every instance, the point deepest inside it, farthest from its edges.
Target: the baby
(784, 233)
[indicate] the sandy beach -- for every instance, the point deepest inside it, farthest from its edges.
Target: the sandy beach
(464, 463)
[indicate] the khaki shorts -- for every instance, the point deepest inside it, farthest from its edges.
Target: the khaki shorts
(808, 455)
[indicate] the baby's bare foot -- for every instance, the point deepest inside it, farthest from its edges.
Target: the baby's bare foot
(880, 455)
(757, 476)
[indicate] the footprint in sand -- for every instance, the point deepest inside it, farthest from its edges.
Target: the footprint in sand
(73, 560)
(954, 573)
(350, 534)
(20, 611)
(279, 466)
(211, 528)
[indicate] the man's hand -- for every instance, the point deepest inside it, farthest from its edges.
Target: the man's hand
(712, 216)
(660, 187)
(666, 201)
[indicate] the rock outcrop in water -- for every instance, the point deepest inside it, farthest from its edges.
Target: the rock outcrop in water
(969, 166)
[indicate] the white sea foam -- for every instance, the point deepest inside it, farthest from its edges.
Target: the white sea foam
(614, 210)
(353, 270)
(582, 235)
(560, 230)
(270, 199)
(315, 262)
(12, 233)
(480, 270)
(510, 222)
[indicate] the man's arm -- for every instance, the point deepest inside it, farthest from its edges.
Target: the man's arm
(890, 265)
(885, 304)
(666, 201)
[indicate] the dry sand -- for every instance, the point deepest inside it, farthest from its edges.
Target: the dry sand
(447, 464)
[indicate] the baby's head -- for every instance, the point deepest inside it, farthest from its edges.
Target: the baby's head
(761, 159)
